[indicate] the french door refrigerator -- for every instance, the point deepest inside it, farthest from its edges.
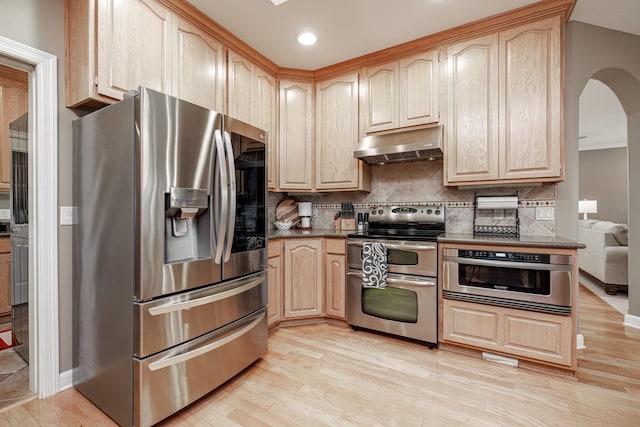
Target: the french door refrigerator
(169, 276)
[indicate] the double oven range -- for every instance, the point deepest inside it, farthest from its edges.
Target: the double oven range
(408, 305)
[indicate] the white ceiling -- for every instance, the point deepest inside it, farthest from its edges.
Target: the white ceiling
(347, 29)
(350, 28)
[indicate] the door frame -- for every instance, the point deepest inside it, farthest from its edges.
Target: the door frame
(44, 352)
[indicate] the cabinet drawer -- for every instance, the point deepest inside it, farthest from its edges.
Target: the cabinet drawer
(177, 319)
(189, 371)
(5, 245)
(274, 248)
(336, 246)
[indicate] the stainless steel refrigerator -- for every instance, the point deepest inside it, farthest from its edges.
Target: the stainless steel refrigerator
(19, 208)
(169, 276)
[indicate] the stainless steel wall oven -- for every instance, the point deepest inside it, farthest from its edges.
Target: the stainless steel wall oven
(407, 306)
(532, 281)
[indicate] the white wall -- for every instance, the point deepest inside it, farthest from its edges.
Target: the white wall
(40, 24)
(611, 57)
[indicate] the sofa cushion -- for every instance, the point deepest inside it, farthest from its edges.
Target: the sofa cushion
(587, 223)
(619, 231)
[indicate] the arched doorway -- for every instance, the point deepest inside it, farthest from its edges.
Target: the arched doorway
(610, 57)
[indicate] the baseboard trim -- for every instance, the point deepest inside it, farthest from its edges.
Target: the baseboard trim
(631, 321)
(580, 342)
(66, 380)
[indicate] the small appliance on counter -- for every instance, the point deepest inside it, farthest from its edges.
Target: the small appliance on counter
(305, 212)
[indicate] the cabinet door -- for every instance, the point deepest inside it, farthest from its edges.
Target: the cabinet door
(13, 104)
(274, 284)
(419, 90)
(5, 283)
(380, 98)
(197, 67)
(472, 110)
(133, 47)
(240, 81)
(296, 136)
(336, 270)
(530, 102)
(337, 134)
(266, 119)
(471, 324)
(304, 278)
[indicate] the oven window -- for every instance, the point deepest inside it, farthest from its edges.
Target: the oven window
(388, 303)
(398, 257)
(507, 279)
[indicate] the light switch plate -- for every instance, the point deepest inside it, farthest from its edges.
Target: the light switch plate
(68, 215)
(5, 214)
(545, 213)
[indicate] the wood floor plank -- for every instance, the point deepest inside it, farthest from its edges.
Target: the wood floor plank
(329, 375)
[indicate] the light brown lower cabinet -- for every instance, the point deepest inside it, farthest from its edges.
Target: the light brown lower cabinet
(336, 271)
(307, 279)
(274, 283)
(5, 275)
(520, 333)
(303, 278)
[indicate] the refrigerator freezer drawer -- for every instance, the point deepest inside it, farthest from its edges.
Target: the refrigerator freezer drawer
(169, 321)
(169, 381)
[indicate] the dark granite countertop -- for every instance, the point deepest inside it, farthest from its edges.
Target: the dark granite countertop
(5, 234)
(529, 241)
(314, 232)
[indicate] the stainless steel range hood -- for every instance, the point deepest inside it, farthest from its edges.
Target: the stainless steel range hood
(404, 146)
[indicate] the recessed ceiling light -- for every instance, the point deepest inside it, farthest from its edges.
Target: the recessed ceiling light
(278, 2)
(306, 38)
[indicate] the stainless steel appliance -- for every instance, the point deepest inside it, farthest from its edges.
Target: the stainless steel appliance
(19, 208)
(532, 281)
(169, 280)
(401, 146)
(408, 305)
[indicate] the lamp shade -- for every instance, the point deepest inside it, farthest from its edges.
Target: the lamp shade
(588, 206)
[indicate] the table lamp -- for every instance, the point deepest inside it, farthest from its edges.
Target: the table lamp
(587, 206)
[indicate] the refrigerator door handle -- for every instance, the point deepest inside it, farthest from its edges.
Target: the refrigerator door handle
(164, 363)
(220, 211)
(231, 220)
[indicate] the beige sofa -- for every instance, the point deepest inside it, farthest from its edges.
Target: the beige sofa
(607, 252)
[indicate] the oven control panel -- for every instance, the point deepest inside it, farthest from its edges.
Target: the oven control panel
(504, 256)
(418, 213)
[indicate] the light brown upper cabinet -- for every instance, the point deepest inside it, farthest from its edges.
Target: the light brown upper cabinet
(296, 158)
(252, 96)
(197, 67)
(337, 136)
(401, 94)
(504, 107)
(13, 104)
(113, 47)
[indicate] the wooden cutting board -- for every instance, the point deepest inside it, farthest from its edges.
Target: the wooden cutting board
(287, 210)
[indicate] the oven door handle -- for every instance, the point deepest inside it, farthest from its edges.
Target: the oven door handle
(399, 281)
(400, 247)
(509, 264)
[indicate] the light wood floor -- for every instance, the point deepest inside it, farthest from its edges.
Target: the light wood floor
(323, 375)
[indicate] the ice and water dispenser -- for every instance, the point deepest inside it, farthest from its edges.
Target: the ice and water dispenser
(187, 225)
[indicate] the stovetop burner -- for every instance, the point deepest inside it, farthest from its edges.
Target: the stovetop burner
(424, 223)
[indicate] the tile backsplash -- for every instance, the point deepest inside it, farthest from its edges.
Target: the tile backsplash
(421, 183)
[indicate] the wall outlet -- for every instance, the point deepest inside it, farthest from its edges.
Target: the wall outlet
(5, 214)
(545, 213)
(68, 215)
